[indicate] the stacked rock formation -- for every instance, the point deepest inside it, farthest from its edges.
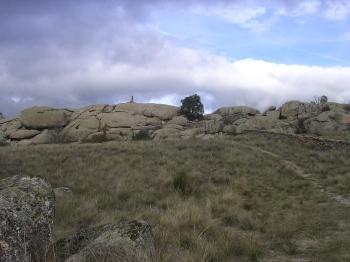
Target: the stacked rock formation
(128, 121)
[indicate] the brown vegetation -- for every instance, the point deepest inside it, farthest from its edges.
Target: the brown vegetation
(218, 200)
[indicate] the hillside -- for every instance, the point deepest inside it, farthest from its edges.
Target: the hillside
(249, 197)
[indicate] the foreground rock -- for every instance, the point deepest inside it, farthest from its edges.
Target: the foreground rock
(26, 215)
(125, 241)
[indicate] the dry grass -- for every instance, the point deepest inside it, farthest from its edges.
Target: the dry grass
(207, 201)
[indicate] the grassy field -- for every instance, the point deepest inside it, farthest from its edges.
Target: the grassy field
(235, 199)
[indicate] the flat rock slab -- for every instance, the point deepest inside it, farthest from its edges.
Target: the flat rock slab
(24, 134)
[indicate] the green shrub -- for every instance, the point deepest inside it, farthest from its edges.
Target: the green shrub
(325, 108)
(142, 135)
(300, 126)
(192, 107)
(181, 183)
(3, 140)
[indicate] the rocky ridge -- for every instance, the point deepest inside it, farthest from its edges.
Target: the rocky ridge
(135, 121)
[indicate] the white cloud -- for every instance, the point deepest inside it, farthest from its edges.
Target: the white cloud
(176, 72)
(244, 15)
(171, 99)
(259, 15)
(309, 7)
(337, 10)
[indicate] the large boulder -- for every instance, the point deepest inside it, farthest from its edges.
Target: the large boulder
(9, 126)
(212, 126)
(232, 114)
(92, 110)
(163, 112)
(179, 120)
(293, 110)
(24, 134)
(48, 136)
(127, 120)
(269, 109)
(166, 134)
(336, 107)
(44, 117)
(329, 123)
(191, 133)
(276, 114)
(266, 123)
(81, 127)
(213, 117)
(26, 215)
(124, 241)
(120, 134)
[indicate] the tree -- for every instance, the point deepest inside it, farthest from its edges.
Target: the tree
(192, 107)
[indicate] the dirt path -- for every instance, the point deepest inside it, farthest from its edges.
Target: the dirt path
(301, 173)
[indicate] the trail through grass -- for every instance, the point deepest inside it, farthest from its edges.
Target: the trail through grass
(218, 200)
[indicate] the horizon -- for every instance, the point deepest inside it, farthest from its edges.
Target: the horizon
(206, 112)
(73, 54)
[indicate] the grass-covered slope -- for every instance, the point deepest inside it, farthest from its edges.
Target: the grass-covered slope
(237, 199)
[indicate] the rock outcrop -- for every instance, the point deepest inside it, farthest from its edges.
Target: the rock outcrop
(163, 112)
(232, 114)
(293, 110)
(266, 123)
(26, 215)
(119, 122)
(137, 121)
(123, 241)
(329, 123)
(9, 126)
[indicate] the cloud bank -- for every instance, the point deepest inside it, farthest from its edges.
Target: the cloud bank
(74, 53)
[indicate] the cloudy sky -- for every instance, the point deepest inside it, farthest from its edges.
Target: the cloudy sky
(72, 53)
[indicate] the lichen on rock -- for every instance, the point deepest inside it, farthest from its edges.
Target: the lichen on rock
(123, 241)
(26, 215)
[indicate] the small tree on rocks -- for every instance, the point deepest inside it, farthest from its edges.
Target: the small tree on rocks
(192, 107)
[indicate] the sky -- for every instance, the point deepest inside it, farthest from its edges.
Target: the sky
(257, 53)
